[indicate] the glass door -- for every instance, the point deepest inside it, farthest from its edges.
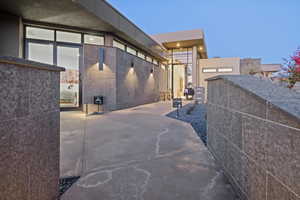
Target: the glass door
(68, 56)
(179, 81)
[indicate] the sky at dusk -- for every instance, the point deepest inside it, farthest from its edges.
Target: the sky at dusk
(267, 29)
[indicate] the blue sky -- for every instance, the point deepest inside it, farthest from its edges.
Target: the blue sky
(267, 29)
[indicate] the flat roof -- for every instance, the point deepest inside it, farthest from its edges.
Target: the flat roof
(270, 67)
(97, 15)
(183, 39)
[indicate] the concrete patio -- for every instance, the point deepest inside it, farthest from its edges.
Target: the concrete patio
(138, 154)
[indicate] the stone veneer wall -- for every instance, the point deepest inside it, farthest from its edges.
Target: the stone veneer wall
(121, 85)
(29, 130)
(136, 86)
(99, 83)
(254, 133)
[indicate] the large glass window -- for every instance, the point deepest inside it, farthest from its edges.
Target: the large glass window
(39, 33)
(40, 52)
(119, 45)
(68, 57)
(62, 36)
(92, 39)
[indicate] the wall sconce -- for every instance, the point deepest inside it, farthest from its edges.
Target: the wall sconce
(101, 59)
(132, 64)
(152, 70)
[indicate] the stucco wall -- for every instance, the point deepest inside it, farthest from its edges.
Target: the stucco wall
(254, 133)
(215, 63)
(29, 130)
(250, 65)
(135, 86)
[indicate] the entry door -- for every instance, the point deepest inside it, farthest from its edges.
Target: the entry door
(179, 78)
(68, 56)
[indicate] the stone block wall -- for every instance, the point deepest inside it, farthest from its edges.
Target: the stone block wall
(29, 130)
(254, 133)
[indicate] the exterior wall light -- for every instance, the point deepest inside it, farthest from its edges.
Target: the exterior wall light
(151, 71)
(178, 44)
(101, 59)
(132, 64)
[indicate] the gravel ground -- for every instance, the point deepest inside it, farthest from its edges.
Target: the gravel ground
(197, 118)
(66, 183)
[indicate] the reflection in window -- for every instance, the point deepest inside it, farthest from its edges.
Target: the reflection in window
(209, 70)
(40, 52)
(155, 62)
(39, 33)
(68, 57)
(62, 36)
(141, 55)
(93, 39)
(118, 45)
(131, 50)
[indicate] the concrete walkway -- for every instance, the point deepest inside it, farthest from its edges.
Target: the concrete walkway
(137, 154)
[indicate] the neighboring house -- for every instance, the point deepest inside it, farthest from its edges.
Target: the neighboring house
(268, 69)
(216, 66)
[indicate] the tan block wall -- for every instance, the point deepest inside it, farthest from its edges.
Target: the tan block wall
(255, 137)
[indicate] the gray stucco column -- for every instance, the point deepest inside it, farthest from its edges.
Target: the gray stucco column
(194, 67)
(11, 35)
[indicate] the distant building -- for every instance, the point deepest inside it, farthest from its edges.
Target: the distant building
(221, 66)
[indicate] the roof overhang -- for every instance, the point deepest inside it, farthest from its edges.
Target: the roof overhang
(97, 15)
(183, 39)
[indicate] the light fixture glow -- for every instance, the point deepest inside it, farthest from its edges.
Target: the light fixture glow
(178, 44)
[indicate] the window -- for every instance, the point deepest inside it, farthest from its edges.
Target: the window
(93, 39)
(40, 52)
(118, 45)
(39, 33)
(225, 69)
(155, 62)
(141, 55)
(62, 36)
(131, 50)
(149, 59)
(163, 67)
(209, 70)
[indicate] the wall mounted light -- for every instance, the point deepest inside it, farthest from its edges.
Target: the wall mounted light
(178, 44)
(101, 59)
(152, 70)
(132, 64)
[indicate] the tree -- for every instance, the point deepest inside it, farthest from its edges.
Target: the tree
(292, 67)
